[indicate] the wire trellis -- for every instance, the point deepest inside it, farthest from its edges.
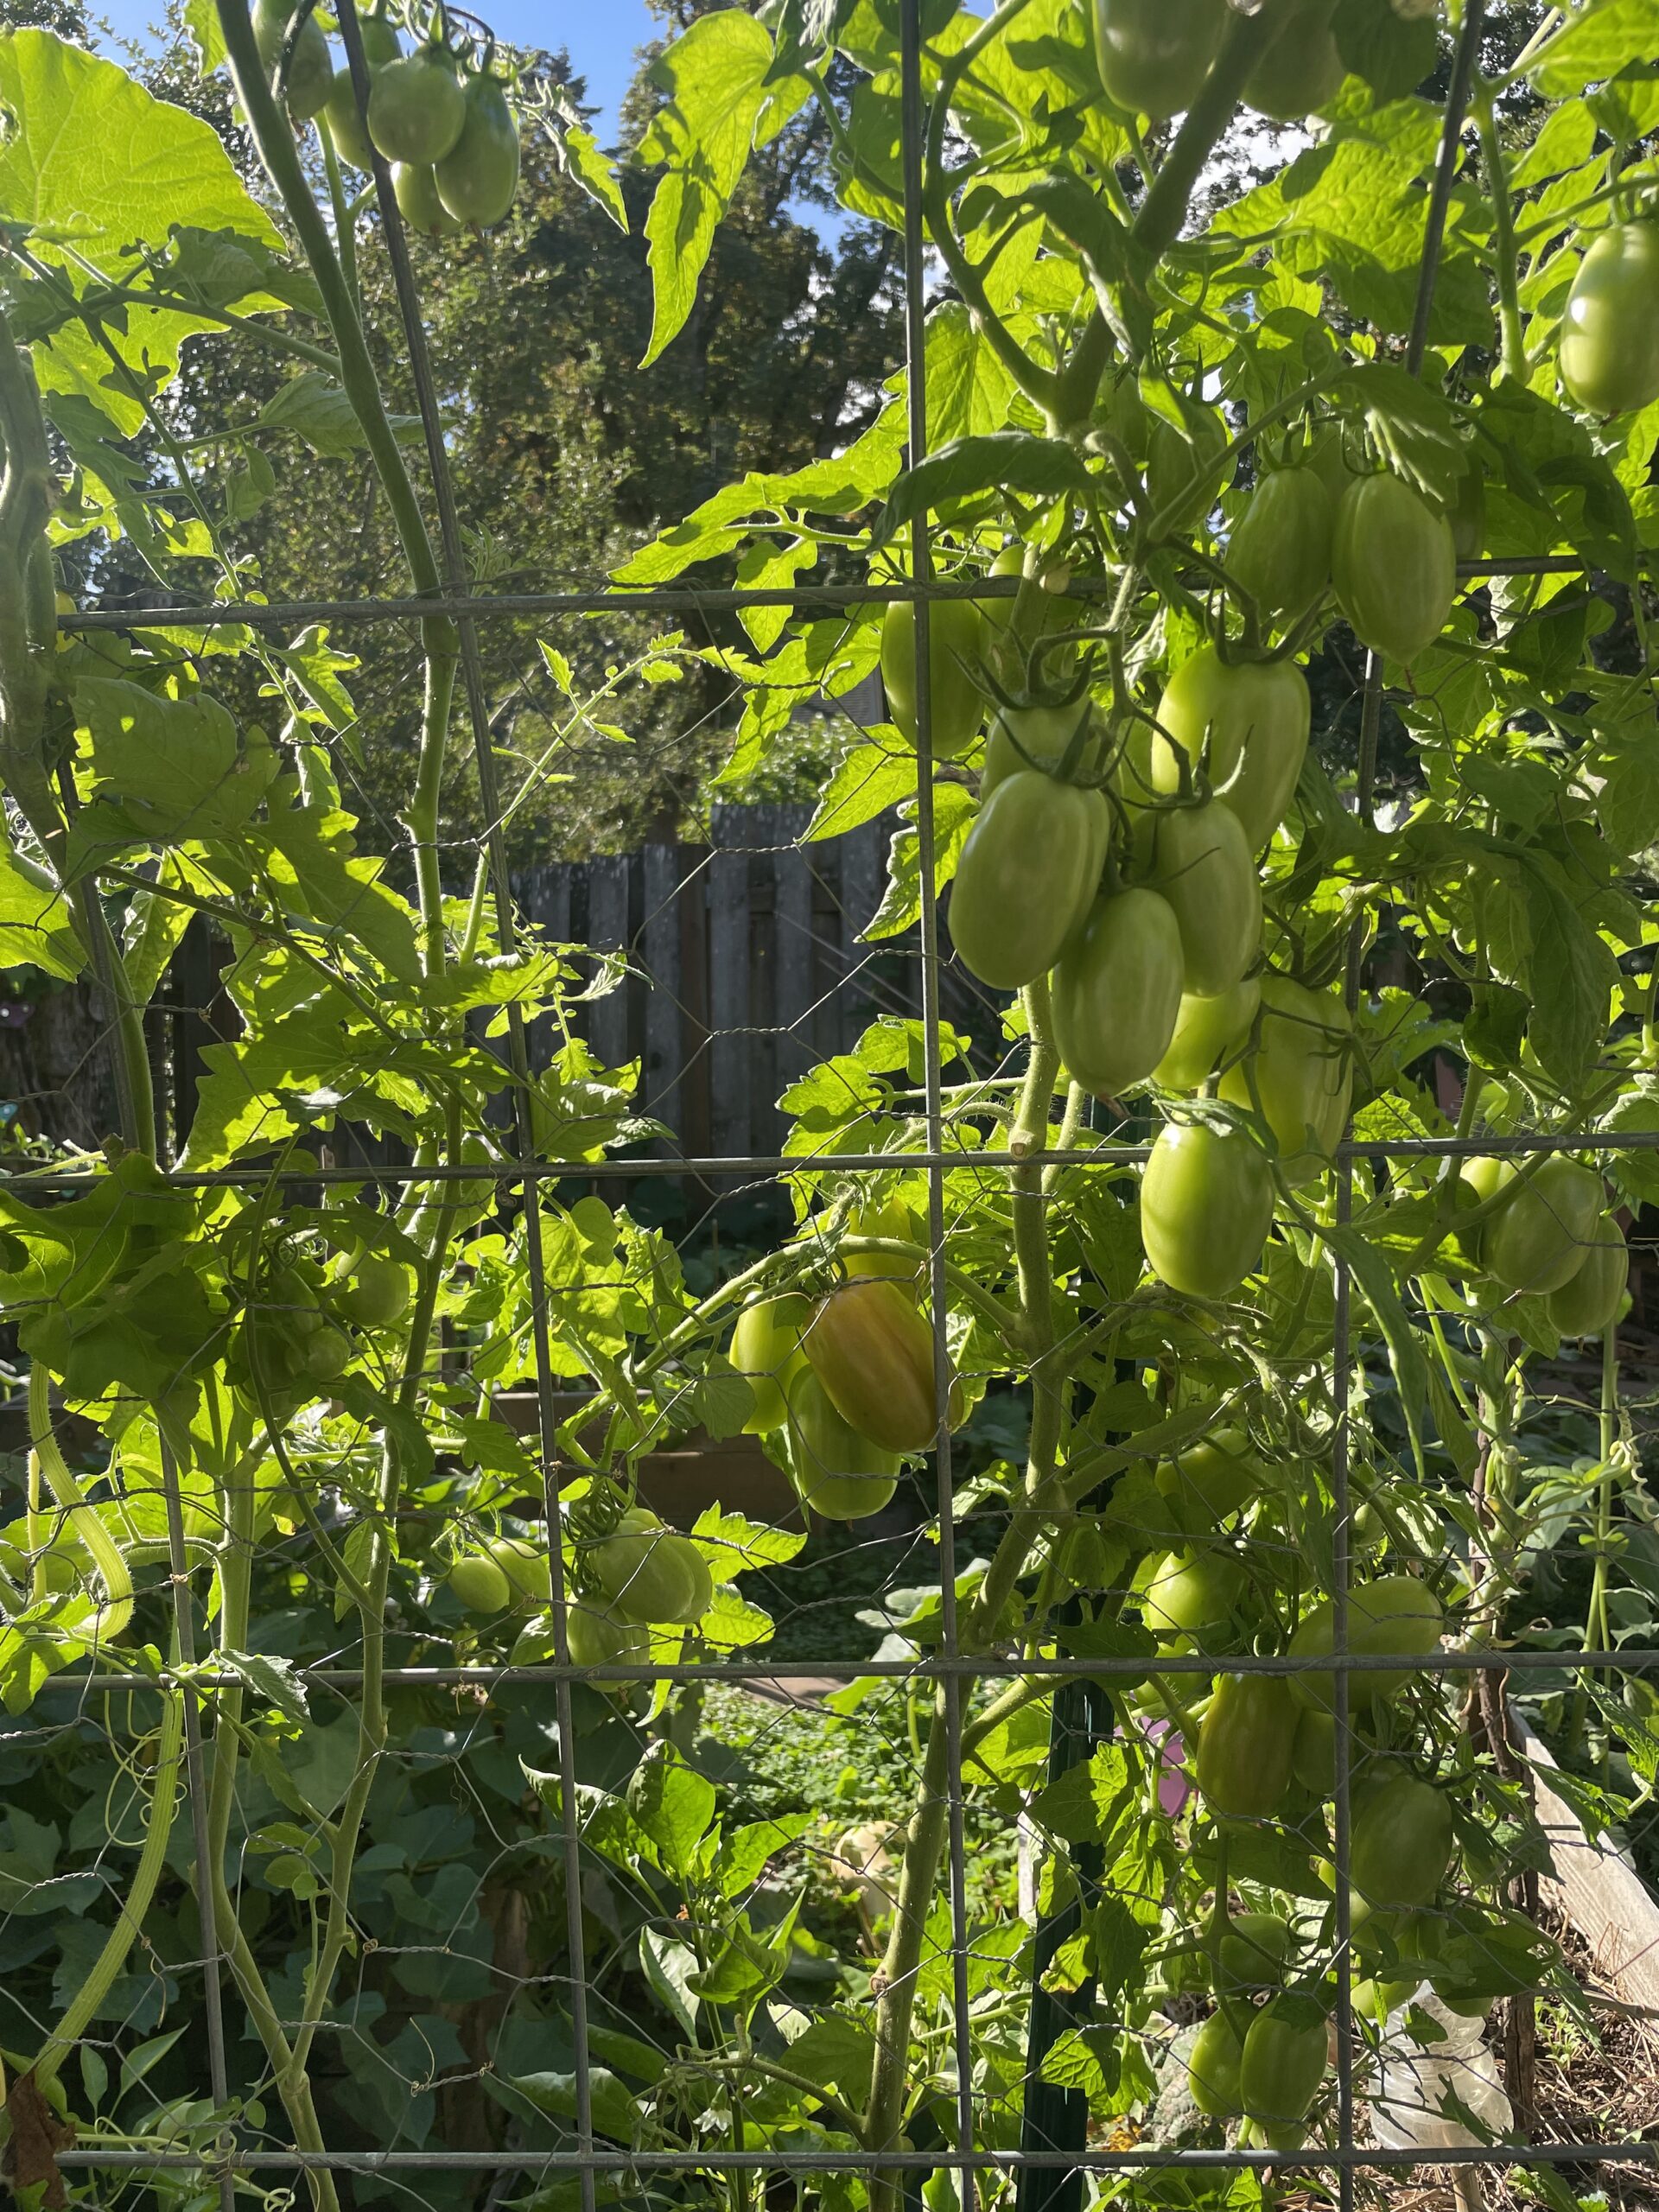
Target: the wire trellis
(948, 1671)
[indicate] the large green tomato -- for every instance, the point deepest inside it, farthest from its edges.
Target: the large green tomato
(417, 107)
(1208, 1031)
(1245, 1741)
(1610, 329)
(1037, 737)
(372, 1291)
(1394, 566)
(1589, 1300)
(1313, 1758)
(1284, 2062)
(1190, 1590)
(1254, 713)
(1301, 72)
(311, 73)
(1253, 1952)
(1212, 1478)
(599, 1637)
(481, 1584)
(1205, 873)
(527, 1568)
(1212, 2068)
(1153, 56)
(1402, 1844)
(1300, 1075)
(1117, 990)
(479, 176)
(1206, 1206)
(649, 1573)
(873, 1351)
(1396, 1613)
(1027, 878)
(1536, 1241)
(767, 1349)
(340, 115)
(833, 1469)
(416, 186)
(955, 645)
(1281, 550)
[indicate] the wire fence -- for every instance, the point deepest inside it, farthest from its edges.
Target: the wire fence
(975, 2144)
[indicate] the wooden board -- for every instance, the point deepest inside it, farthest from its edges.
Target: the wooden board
(1596, 1886)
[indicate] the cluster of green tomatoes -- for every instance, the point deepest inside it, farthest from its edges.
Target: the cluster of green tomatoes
(1262, 1748)
(446, 128)
(301, 1321)
(632, 1574)
(845, 1385)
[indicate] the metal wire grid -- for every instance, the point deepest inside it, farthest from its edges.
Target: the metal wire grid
(950, 1669)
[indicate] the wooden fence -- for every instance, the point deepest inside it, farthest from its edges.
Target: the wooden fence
(745, 965)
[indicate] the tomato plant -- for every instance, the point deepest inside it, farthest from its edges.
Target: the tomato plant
(1287, 1121)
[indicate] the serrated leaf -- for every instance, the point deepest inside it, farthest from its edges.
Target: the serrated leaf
(1002, 461)
(715, 81)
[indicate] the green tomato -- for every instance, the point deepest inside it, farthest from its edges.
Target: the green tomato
(955, 645)
(832, 1469)
(1212, 1479)
(1286, 2048)
(527, 1568)
(599, 1637)
(1205, 873)
(1610, 328)
(481, 1584)
(1190, 1590)
(325, 1353)
(1300, 1076)
(1313, 1755)
(1394, 565)
(1206, 1206)
(417, 107)
(1396, 1613)
(1253, 1953)
(1027, 875)
(1035, 737)
(649, 1573)
(478, 178)
(416, 186)
(1212, 2068)
(340, 117)
(765, 1348)
(1281, 550)
(372, 1291)
(1589, 1300)
(1301, 72)
(873, 1351)
(1117, 990)
(1245, 1741)
(1256, 715)
(1153, 56)
(310, 74)
(1537, 1240)
(1208, 1031)
(1402, 1844)
(896, 1220)
(1185, 473)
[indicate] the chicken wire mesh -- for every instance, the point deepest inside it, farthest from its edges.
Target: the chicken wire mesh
(488, 1924)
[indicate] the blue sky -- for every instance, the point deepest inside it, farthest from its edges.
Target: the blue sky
(601, 38)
